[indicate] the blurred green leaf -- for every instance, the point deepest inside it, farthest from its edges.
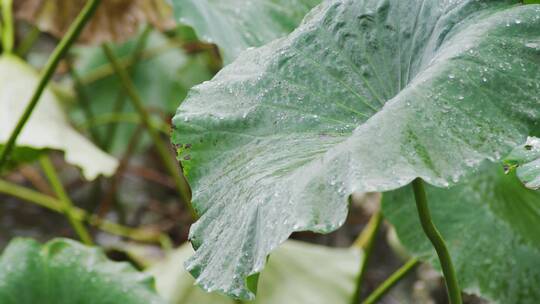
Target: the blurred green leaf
(490, 223)
(364, 96)
(296, 273)
(66, 272)
(162, 77)
(526, 160)
(48, 127)
(235, 25)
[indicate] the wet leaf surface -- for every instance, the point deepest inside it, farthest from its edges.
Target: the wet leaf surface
(65, 272)
(235, 25)
(363, 96)
(526, 160)
(297, 272)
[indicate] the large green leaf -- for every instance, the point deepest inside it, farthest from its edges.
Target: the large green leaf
(48, 127)
(235, 25)
(491, 225)
(66, 272)
(526, 158)
(365, 95)
(296, 273)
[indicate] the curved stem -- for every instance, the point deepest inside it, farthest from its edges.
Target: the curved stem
(138, 104)
(59, 52)
(399, 274)
(365, 241)
(8, 33)
(454, 292)
(67, 204)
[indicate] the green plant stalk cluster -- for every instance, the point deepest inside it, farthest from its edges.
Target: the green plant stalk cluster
(454, 292)
(138, 104)
(72, 34)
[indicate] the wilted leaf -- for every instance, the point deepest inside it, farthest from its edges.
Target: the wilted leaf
(66, 272)
(365, 95)
(235, 25)
(296, 273)
(491, 225)
(526, 160)
(48, 127)
(114, 20)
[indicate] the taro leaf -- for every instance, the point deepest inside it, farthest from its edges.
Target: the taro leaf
(162, 77)
(114, 20)
(235, 25)
(526, 160)
(66, 272)
(491, 225)
(296, 273)
(48, 127)
(364, 96)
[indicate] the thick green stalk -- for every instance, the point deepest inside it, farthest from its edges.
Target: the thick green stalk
(67, 205)
(78, 214)
(162, 150)
(8, 33)
(399, 274)
(59, 52)
(365, 241)
(454, 292)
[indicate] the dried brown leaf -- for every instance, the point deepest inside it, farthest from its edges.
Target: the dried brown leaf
(114, 20)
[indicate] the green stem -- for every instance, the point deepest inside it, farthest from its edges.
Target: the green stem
(162, 150)
(120, 98)
(365, 241)
(116, 118)
(58, 53)
(8, 33)
(67, 204)
(78, 214)
(28, 41)
(106, 69)
(454, 292)
(399, 274)
(84, 101)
